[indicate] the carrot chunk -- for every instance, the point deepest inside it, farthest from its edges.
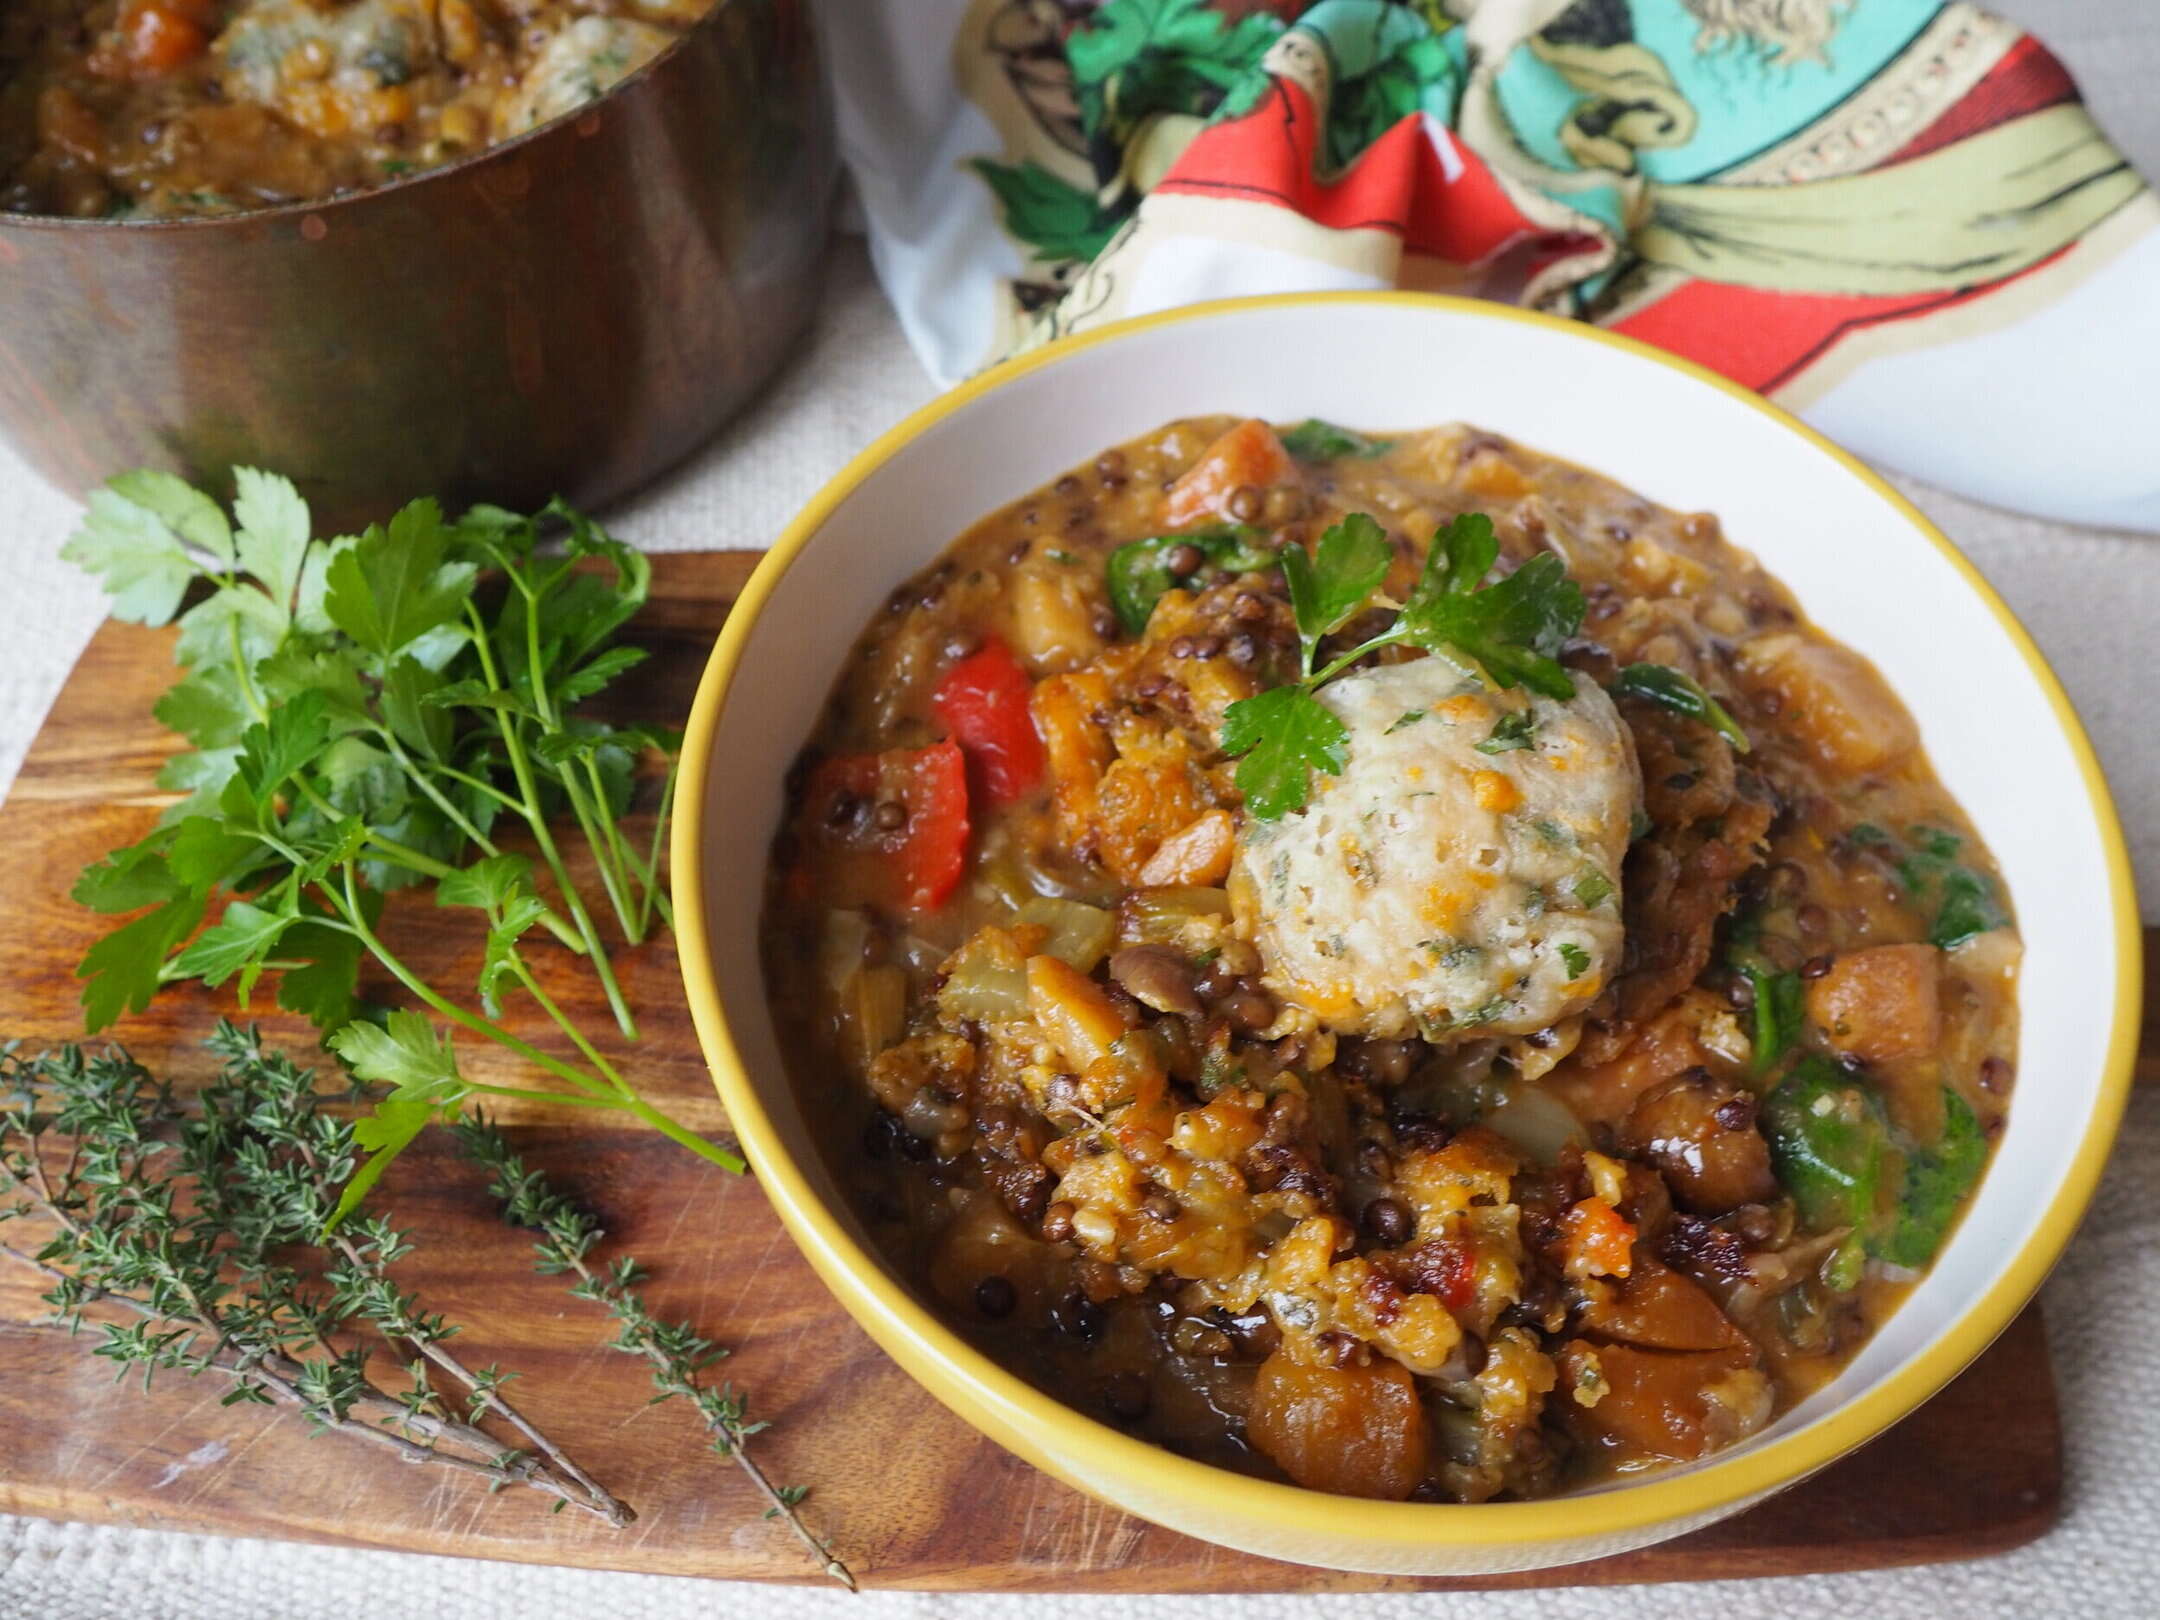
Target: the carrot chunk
(153, 38)
(1249, 456)
(1196, 856)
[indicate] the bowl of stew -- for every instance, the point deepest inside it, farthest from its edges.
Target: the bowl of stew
(493, 249)
(1401, 935)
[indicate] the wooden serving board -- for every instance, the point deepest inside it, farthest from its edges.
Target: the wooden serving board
(910, 1495)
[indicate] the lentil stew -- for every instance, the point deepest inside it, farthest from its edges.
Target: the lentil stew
(168, 108)
(1390, 962)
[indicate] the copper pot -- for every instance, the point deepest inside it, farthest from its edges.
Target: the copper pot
(568, 313)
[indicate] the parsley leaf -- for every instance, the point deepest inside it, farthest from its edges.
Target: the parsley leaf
(1510, 732)
(237, 943)
(202, 776)
(1576, 958)
(385, 1132)
(131, 878)
(139, 561)
(273, 540)
(1592, 888)
(593, 678)
(1328, 587)
(324, 987)
(186, 511)
(403, 1053)
(204, 854)
(420, 725)
(1284, 734)
(1315, 440)
(1514, 628)
(273, 749)
(205, 707)
(1671, 690)
(395, 584)
(232, 623)
(123, 968)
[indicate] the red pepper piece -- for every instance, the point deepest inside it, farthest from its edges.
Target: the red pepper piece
(1440, 1266)
(983, 701)
(902, 813)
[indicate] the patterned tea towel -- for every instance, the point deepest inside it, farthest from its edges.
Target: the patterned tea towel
(1894, 217)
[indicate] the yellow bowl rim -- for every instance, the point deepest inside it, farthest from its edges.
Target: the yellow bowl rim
(1099, 1451)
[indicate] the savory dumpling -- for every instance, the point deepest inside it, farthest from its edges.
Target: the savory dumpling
(580, 64)
(1462, 874)
(270, 46)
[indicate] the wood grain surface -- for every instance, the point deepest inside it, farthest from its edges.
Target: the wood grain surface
(911, 1496)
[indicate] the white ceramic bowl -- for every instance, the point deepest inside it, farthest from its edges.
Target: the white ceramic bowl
(1869, 569)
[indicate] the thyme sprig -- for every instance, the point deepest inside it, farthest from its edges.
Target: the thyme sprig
(567, 1236)
(199, 1222)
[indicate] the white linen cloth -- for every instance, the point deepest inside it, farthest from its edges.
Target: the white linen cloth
(2092, 599)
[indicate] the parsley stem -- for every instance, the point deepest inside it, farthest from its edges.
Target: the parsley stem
(577, 1036)
(514, 742)
(551, 919)
(551, 1098)
(710, 1152)
(608, 853)
(389, 848)
(1387, 638)
(241, 668)
(349, 905)
(521, 767)
(654, 899)
(441, 800)
(533, 660)
(478, 785)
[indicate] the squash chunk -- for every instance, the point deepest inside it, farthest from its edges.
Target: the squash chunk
(1054, 614)
(1832, 698)
(1678, 1405)
(1356, 1431)
(1658, 1309)
(1881, 1003)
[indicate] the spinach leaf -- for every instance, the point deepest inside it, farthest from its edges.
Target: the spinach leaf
(1679, 694)
(1139, 573)
(1777, 1015)
(1828, 1139)
(1315, 440)
(1937, 1181)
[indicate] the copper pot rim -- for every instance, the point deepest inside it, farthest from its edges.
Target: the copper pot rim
(347, 201)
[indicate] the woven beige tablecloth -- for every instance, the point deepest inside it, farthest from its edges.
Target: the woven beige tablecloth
(2091, 598)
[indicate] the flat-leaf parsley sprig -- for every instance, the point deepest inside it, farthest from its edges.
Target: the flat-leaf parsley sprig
(1510, 631)
(361, 718)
